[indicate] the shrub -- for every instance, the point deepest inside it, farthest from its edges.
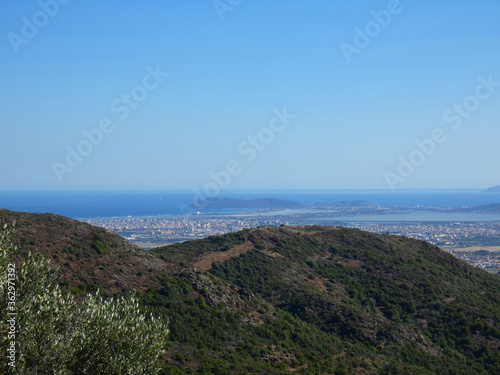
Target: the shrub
(56, 334)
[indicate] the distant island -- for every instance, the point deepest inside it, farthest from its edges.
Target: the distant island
(493, 208)
(494, 189)
(343, 204)
(223, 203)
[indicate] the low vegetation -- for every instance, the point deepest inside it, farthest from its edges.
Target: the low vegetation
(288, 300)
(52, 333)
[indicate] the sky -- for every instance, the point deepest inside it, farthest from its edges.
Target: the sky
(239, 94)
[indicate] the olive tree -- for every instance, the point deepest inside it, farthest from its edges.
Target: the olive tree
(53, 333)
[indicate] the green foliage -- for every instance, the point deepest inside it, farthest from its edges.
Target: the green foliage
(329, 301)
(56, 334)
(99, 247)
(375, 290)
(211, 337)
(100, 244)
(188, 251)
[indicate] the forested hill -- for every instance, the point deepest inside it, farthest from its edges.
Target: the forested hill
(303, 300)
(87, 256)
(391, 298)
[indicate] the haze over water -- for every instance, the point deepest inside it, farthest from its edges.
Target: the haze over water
(140, 203)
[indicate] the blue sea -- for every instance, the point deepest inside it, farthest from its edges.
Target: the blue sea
(89, 204)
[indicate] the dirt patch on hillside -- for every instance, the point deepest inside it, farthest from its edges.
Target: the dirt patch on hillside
(328, 286)
(272, 254)
(206, 260)
(319, 283)
(353, 263)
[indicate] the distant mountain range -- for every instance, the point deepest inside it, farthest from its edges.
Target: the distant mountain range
(493, 208)
(494, 189)
(347, 207)
(288, 299)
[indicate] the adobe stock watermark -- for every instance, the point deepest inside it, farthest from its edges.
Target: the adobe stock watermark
(11, 314)
(122, 107)
(249, 149)
(32, 25)
(364, 36)
(223, 6)
(454, 116)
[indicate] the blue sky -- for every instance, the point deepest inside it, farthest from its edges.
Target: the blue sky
(351, 124)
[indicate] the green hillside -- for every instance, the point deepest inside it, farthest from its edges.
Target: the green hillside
(288, 300)
(384, 302)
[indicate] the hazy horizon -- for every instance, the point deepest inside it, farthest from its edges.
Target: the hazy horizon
(234, 191)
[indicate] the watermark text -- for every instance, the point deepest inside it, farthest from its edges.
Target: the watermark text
(11, 314)
(454, 117)
(32, 25)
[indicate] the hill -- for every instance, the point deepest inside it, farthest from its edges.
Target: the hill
(87, 256)
(494, 189)
(493, 208)
(303, 300)
(383, 294)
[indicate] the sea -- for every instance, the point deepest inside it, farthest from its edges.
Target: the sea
(93, 204)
